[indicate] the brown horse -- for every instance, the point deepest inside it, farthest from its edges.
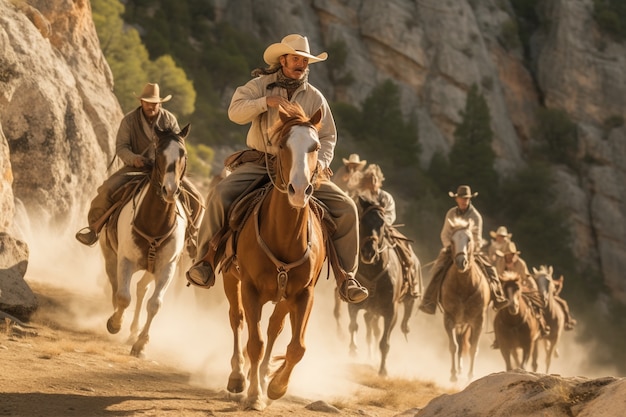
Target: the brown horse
(516, 326)
(464, 298)
(552, 312)
(380, 271)
(149, 235)
(281, 251)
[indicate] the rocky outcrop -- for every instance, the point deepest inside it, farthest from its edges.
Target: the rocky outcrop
(16, 298)
(521, 394)
(57, 108)
(58, 119)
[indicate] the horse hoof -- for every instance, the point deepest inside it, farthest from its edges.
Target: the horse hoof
(137, 352)
(255, 405)
(113, 329)
(276, 390)
(235, 385)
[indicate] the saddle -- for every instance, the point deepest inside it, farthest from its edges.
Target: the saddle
(222, 247)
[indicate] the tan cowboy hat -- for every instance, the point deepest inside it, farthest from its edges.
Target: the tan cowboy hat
(464, 191)
(151, 94)
(354, 159)
(291, 44)
(501, 231)
(510, 248)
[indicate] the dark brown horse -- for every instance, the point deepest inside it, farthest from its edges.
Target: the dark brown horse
(149, 235)
(281, 251)
(516, 326)
(552, 312)
(464, 298)
(380, 271)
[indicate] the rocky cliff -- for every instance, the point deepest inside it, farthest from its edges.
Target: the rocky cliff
(58, 114)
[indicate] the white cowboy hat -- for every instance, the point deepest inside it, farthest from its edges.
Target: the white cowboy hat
(291, 44)
(354, 159)
(151, 94)
(501, 231)
(464, 191)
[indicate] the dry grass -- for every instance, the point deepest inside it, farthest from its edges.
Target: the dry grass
(392, 393)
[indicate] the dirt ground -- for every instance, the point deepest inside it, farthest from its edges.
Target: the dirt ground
(55, 369)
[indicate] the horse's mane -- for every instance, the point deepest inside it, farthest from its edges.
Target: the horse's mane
(461, 223)
(543, 270)
(292, 115)
(509, 276)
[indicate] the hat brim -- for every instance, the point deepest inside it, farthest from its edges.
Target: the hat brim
(348, 162)
(454, 195)
(276, 50)
(495, 235)
(155, 99)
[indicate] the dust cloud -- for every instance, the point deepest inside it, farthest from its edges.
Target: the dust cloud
(192, 333)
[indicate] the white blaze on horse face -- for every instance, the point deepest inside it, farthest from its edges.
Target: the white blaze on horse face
(171, 173)
(461, 241)
(303, 162)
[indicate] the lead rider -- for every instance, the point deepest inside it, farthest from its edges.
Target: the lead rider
(257, 102)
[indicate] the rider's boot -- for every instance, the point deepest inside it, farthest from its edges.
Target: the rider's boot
(350, 290)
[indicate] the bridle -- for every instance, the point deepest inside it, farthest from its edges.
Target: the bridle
(157, 178)
(278, 170)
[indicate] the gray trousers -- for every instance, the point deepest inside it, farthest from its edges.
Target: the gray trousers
(341, 207)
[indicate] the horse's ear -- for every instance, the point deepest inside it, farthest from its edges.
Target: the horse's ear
(535, 270)
(183, 133)
(317, 117)
(550, 270)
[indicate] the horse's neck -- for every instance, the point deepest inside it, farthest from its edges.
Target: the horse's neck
(154, 216)
(282, 224)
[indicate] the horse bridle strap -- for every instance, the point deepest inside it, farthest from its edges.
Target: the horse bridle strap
(282, 267)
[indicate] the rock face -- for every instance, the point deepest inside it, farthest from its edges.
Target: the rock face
(57, 109)
(435, 50)
(58, 120)
(521, 394)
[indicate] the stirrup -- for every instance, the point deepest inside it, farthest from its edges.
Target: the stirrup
(352, 292)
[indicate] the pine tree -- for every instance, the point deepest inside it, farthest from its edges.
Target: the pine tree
(472, 157)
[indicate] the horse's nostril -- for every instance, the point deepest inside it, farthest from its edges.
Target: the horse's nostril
(291, 190)
(309, 190)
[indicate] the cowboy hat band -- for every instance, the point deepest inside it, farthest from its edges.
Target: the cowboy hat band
(152, 94)
(354, 159)
(464, 191)
(291, 44)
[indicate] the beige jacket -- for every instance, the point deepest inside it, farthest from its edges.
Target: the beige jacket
(248, 105)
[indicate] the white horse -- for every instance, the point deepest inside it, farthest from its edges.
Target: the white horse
(149, 235)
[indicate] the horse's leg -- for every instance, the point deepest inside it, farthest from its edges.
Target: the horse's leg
(337, 311)
(300, 313)
(255, 346)
(142, 288)
(162, 281)
(372, 332)
(232, 290)
(550, 350)
(110, 266)
(453, 346)
(506, 355)
(389, 322)
(408, 303)
(275, 327)
(121, 297)
(474, 337)
(535, 355)
(353, 328)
